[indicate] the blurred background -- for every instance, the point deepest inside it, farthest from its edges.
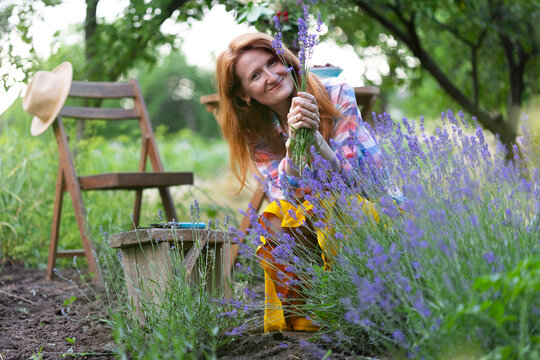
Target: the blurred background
(426, 57)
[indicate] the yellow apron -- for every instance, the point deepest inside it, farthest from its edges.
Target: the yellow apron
(274, 319)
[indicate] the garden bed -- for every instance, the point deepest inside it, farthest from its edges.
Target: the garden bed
(36, 320)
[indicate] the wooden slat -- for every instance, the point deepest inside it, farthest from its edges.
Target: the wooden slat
(55, 228)
(131, 276)
(149, 269)
(193, 254)
(212, 103)
(99, 113)
(72, 185)
(70, 253)
(146, 236)
(133, 181)
(366, 90)
(211, 98)
(154, 274)
(87, 89)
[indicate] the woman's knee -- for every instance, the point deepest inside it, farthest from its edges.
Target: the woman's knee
(273, 224)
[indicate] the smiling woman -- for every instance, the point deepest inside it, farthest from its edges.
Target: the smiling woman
(266, 80)
(260, 112)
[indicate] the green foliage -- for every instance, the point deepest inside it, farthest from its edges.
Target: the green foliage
(22, 13)
(477, 56)
(28, 170)
(172, 93)
(451, 31)
(129, 41)
(507, 308)
(23, 200)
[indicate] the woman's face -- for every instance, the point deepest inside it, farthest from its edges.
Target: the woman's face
(265, 79)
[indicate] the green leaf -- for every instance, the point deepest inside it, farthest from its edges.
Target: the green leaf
(69, 301)
(70, 340)
(496, 312)
(484, 283)
(266, 11)
(253, 14)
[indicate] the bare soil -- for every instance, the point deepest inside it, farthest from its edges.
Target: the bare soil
(37, 322)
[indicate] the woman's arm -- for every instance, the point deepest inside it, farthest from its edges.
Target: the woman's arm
(356, 143)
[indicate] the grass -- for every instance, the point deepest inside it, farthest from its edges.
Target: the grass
(178, 317)
(28, 170)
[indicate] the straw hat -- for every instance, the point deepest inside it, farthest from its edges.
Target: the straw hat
(45, 95)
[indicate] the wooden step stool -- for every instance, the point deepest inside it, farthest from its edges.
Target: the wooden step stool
(147, 261)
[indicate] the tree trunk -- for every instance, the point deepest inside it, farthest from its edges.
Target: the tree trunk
(90, 26)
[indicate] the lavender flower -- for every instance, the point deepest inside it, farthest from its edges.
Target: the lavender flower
(306, 42)
(489, 257)
(399, 337)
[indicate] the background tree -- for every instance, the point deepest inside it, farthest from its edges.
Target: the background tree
(111, 49)
(482, 53)
(114, 49)
(172, 91)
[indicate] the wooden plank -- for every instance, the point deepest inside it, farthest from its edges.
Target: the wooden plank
(211, 98)
(366, 91)
(133, 180)
(139, 192)
(168, 204)
(228, 265)
(72, 184)
(148, 264)
(90, 89)
(212, 103)
(145, 236)
(154, 271)
(193, 254)
(131, 276)
(90, 113)
(55, 227)
(70, 253)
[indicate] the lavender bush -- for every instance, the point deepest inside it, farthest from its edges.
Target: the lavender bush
(453, 271)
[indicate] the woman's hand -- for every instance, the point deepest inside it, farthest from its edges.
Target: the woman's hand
(304, 113)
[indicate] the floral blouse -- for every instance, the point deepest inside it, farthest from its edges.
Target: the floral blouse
(350, 125)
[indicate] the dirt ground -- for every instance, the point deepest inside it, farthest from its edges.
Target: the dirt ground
(36, 322)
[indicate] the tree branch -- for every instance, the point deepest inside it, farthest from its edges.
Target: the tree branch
(411, 39)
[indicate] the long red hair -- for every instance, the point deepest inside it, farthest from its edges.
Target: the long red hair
(246, 126)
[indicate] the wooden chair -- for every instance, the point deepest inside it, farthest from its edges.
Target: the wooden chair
(365, 98)
(69, 180)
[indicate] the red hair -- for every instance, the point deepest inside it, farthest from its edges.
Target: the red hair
(244, 126)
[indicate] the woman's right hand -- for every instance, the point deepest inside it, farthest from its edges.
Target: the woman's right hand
(304, 113)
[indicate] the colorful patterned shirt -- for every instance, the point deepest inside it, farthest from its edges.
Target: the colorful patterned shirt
(351, 124)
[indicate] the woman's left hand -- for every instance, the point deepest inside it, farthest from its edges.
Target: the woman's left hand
(304, 113)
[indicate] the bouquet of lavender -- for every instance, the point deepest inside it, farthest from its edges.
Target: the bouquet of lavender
(307, 39)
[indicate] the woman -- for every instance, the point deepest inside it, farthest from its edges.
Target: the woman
(260, 112)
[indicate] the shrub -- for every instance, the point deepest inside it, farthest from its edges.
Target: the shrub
(404, 276)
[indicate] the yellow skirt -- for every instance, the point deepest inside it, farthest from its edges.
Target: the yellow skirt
(292, 216)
